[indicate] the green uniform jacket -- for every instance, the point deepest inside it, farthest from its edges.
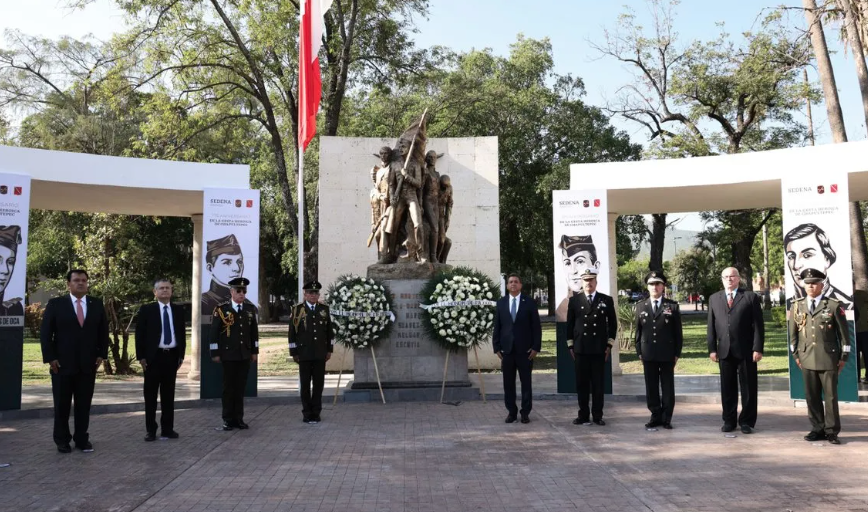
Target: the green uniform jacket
(311, 336)
(234, 336)
(820, 340)
(658, 336)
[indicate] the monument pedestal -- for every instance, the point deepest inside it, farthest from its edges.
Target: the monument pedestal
(409, 360)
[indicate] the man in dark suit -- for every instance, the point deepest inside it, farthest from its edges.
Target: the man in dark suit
(592, 324)
(74, 337)
(311, 343)
(160, 347)
(517, 340)
(234, 344)
(658, 343)
(736, 335)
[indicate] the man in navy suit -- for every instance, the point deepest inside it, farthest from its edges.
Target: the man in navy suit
(736, 335)
(160, 346)
(74, 337)
(517, 340)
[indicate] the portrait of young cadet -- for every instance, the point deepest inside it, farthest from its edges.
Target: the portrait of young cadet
(736, 335)
(311, 342)
(161, 342)
(808, 246)
(517, 339)
(578, 254)
(10, 238)
(592, 324)
(659, 339)
(820, 343)
(234, 344)
(75, 339)
(224, 261)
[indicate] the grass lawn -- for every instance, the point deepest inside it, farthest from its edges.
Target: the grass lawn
(274, 354)
(694, 355)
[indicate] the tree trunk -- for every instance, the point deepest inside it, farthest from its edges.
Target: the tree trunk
(264, 305)
(741, 250)
(858, 249)
(767, 299)
(658, 237)
(808, 103)
(550, 277)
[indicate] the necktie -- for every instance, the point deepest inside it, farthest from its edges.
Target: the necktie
(79, 312)
(655, 306)
(813, 303)
(513, 308)
(729, 297)
(590, 298)
(238, 308)
(167, 327)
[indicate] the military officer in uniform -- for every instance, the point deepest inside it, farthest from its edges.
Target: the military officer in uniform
(658, 344)
(311, 341)
(592, 324)
(234, 344)
(820, 342)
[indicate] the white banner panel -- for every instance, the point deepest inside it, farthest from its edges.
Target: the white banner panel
(816, 222)
(14, 214)
(581, 241)
(230, 249)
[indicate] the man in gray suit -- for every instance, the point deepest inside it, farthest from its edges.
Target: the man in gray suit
(736, 335)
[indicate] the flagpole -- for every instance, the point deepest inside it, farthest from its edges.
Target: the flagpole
(300, 222)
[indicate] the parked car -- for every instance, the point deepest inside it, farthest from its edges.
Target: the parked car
(636, 297)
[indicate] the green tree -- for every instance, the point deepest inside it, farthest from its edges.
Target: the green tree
(711, 97)
(539, 117)
(696, 271)
(631, 275)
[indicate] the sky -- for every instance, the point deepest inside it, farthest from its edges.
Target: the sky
(462, 25)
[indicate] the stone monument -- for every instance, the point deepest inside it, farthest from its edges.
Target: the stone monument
(411, 205)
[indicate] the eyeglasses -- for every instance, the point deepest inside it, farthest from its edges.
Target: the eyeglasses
(730, 277)
(241, 290)
(312, 292)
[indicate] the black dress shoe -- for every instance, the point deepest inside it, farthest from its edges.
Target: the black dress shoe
(815, 436)
(86, 447)
(727, 428)
(510, 419)
(525, 418)
(833, 438)
(667, 426)
(580, 421)
(599, 422)
(227, 426)
(243, 426)
(150, 437)
(305, 420)
(746, 429)
(317, 419)
(653, 423)
(64, 448)
(170, 435)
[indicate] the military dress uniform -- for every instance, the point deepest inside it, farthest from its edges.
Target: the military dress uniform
(658, 343)
(234, 339)
(819, 340)
(311, 341)
(591, 328)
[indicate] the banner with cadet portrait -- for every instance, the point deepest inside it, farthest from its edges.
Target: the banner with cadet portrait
(581, 241)
(230, 245)
(816, 227)
(14, 214)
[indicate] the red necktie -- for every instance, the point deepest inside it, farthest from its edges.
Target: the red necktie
(79, 312)
(729, 300)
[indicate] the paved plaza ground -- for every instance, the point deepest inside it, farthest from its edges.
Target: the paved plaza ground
(426, 456)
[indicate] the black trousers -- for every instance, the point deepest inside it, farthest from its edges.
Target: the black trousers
(517, 361)
(660, 376)
(160, 379)
(738, 373)
(311, 372)
(590, 371)
(861, 350)
(821, 395)
(65, 388)
(234, 382)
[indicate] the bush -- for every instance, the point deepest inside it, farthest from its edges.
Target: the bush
(779, 316)
(33, 318)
